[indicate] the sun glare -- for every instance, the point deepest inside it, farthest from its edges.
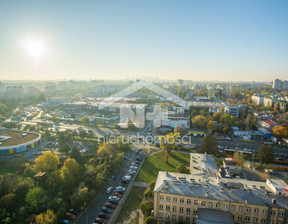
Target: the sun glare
(35, 48)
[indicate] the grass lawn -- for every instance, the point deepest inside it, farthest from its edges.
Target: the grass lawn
(128, 211)
(156, 162)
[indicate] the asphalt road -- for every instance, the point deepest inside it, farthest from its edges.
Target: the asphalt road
(94, 208)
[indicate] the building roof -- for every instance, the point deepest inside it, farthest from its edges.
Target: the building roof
(213, 216)
(240, 190)
(279, 185)
(269, 121)
(203, 164)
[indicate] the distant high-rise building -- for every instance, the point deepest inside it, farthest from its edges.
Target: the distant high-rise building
(279, 84)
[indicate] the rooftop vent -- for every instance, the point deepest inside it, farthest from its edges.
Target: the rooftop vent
(222, 190)
(273, 201)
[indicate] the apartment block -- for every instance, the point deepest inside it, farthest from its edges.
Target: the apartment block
(189, 198)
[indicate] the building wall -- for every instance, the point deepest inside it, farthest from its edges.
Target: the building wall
(242, 212)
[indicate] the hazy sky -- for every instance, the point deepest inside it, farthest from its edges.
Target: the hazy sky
(198, 40)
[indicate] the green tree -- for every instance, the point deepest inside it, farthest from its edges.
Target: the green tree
(54, 117)
(181, 169)
(152, 185)
(75, 154)
(81, 196)
(9, 200)
(36, 198)
(47, 217)
(239, 158)
(209, 144)
(47, 162)
(211, 125)
(146, 207)
(168, 143)
(84, 120)
(265, 154)
(148, 194)
(280, 131)
(150, 220)
(83, 134)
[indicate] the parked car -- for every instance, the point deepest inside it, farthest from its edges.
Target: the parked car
(106, 210)
(120, 188)
(74, 211)
(109, 190)
(110, 205)
(119, 191)
(99, 221)
(114, 197)
(104, 215)
(113, 201)
(69, 215)
(64, 221)
(117, 194)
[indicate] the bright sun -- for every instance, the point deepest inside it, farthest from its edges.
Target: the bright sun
(35, 48)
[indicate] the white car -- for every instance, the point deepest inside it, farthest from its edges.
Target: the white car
(114, 197)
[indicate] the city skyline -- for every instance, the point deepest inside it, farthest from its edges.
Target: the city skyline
(202, 41)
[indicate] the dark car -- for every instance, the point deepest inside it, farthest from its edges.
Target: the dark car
(74, 211)
(120, 191)
(110, 205)
(99, 221)
(69, 215)
(106, 210)
(103, 215)
(113, 201)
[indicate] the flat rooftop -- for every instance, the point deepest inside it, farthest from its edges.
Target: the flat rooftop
(14, 137)
(203, 164)
(238, 190)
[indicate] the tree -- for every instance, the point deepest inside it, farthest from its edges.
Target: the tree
(181, 169)
(200, 121)
(148, 194)
(209, 144)
(84, 120)
(82, 134)
(35, 198)
(47, 217)
(81, 196)
(168, 143)
(179, 129)
(8, 200)
(265, 154)
(47, 162)
(146, 207)
(54, 117)
(239, 158)
(150, 220)
(280, 131)
(211, 125)
(152, 185)
(75, 154)
(70, 174)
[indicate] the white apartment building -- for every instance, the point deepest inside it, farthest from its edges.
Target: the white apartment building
(14, 92)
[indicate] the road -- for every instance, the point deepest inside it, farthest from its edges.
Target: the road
(95, 207)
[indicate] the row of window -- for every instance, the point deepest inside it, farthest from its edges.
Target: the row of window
(239, 219)
(218, 205)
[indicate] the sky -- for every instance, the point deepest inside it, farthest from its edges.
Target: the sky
(226, 40)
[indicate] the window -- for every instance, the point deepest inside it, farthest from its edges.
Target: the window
(271, 222)
(188, 202)
(168, 199)
(160, 207)
(247, 219)
(194, 212)
(161, 198)
(188, 211)
(281, 214)
(217, 205)
(174, 200)
(161, 215)
(264, 213)
(203, 204)
(263, 221)
(174, 209)
(187, 219)
(239, 218)
(173, 217)
(255, 220)
(180, 218)
(240, 208)
(225, 206)
(210, 204)
(232, 207)
(248, 210)
(181, 209)
(181, 201)
(256, 210)
(167, 207)
(273, 213)
(196, 203)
